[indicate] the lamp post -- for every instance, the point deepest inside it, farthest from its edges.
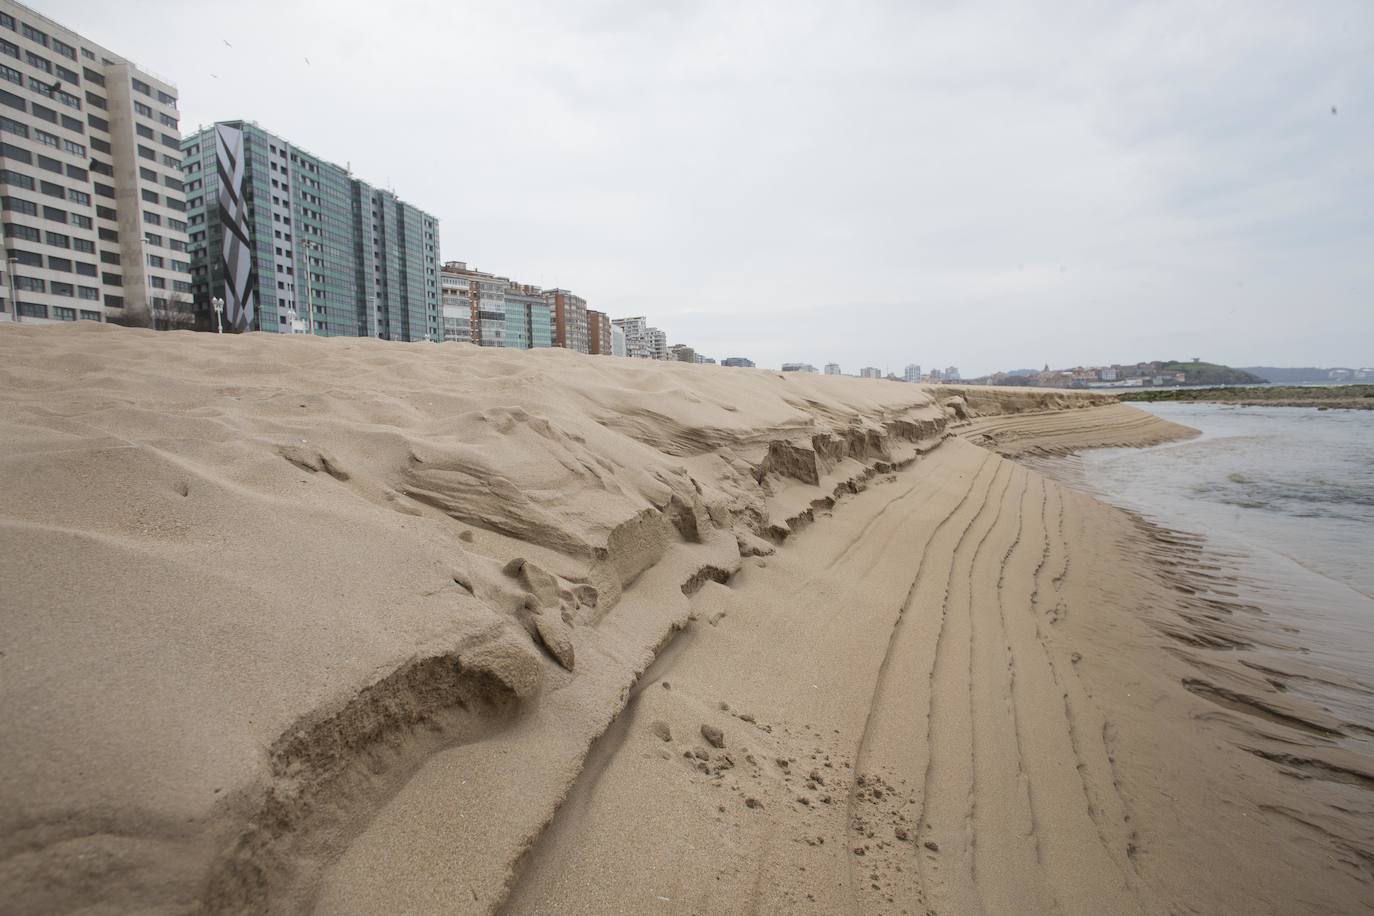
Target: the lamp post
(291, 319)
(9, 278)
(218, 305)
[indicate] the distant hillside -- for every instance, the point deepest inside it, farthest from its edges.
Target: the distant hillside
(1200, 373)
(1296, 375)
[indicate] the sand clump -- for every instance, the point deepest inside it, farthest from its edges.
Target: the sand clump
(348, 626)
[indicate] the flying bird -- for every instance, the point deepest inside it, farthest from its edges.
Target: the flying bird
(307, 61)
(226, 42)
(1333, 109)
(55, 86)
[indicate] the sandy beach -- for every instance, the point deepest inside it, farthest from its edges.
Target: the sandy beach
(344, 626)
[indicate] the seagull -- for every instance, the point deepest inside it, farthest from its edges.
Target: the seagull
(214, 76)
(307, 61)
(226, 42)
(1333, 109)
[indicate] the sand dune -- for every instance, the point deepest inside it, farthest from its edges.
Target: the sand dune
(346, 626)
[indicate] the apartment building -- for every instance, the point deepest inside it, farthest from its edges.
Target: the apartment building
(295, 244)
(658, 344)
(598, 333)
(739, 362)
(870, 372)
(570, 319)
(90, 180)
(636, 330)
(529, 317)
(912, 373)
(832, 369)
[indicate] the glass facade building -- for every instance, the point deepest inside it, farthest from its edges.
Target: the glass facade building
(294, 243)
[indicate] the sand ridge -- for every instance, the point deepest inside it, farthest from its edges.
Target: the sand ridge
(349, 626)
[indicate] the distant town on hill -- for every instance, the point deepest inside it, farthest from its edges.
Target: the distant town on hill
(1168, 374)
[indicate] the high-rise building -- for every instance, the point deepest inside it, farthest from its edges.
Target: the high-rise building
(658, 344)
(738, 362)
(455, 303)
(617, 340)
(952, 374)
(912, 373)
(90, 181)
(529, 317)
(870, 372)
(682, 353)
(637, 342)
(832, 368)
(294, 243)
(569, 319)
(798, 367)
(598, 333)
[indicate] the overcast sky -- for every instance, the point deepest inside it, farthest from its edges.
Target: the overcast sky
(983, 185)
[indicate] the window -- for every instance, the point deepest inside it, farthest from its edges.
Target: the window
(109, 257)
(77, 172)
(16, 179)
(78, 197)
(176, 244)
(55, 214)
(150, 196)
(166, 99)
(100, 146)
(93, 76)
(49, 164)
(140, 86)
(89, 315)
(86, 270)
(157, 283)
(110, 279)
(69, 76)
(32, 309)
(62, 313)
(152, 218)
(42, 63)
(73, 124)
(147, 153)
(109, 235)
(173, 183)
(17, 153)
(53, 190)
(143, 130)
(98, 123)
(82, 222)
(65, 50)
(44, 113)
(181, 286)
(15, 231)
(145, 110)
(104, 190)
(172, 142)
(175, 203)
(154, 260)
(11, 126)
(12, 100)
(95, 100)
(47, 139)
(27, 258)
(11, 74)
(85, 245)
(152, 238)
(178, 225)
(167, 120)
(106, 213)
(62, 264)
(171, 161)
(33, 34)
(57, 239)
(87, 292)
(66, 98)
(7, 21)
(76, 149)
(59, 288)
(31, 284)
(19, 205)
(114, 302)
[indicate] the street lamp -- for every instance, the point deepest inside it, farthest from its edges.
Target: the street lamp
(291, 319)
(218, 305)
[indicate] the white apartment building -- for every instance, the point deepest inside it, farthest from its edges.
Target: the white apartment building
(658, 344)
(913, 373)
(94, 214)
(832, 368)
(637, 342)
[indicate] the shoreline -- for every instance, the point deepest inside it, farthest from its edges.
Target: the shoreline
(519, 555)
(1322, 397)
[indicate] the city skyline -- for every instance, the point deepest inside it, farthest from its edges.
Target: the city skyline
(1112, 209)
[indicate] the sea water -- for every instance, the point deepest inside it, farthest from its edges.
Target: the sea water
(1288, 494)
